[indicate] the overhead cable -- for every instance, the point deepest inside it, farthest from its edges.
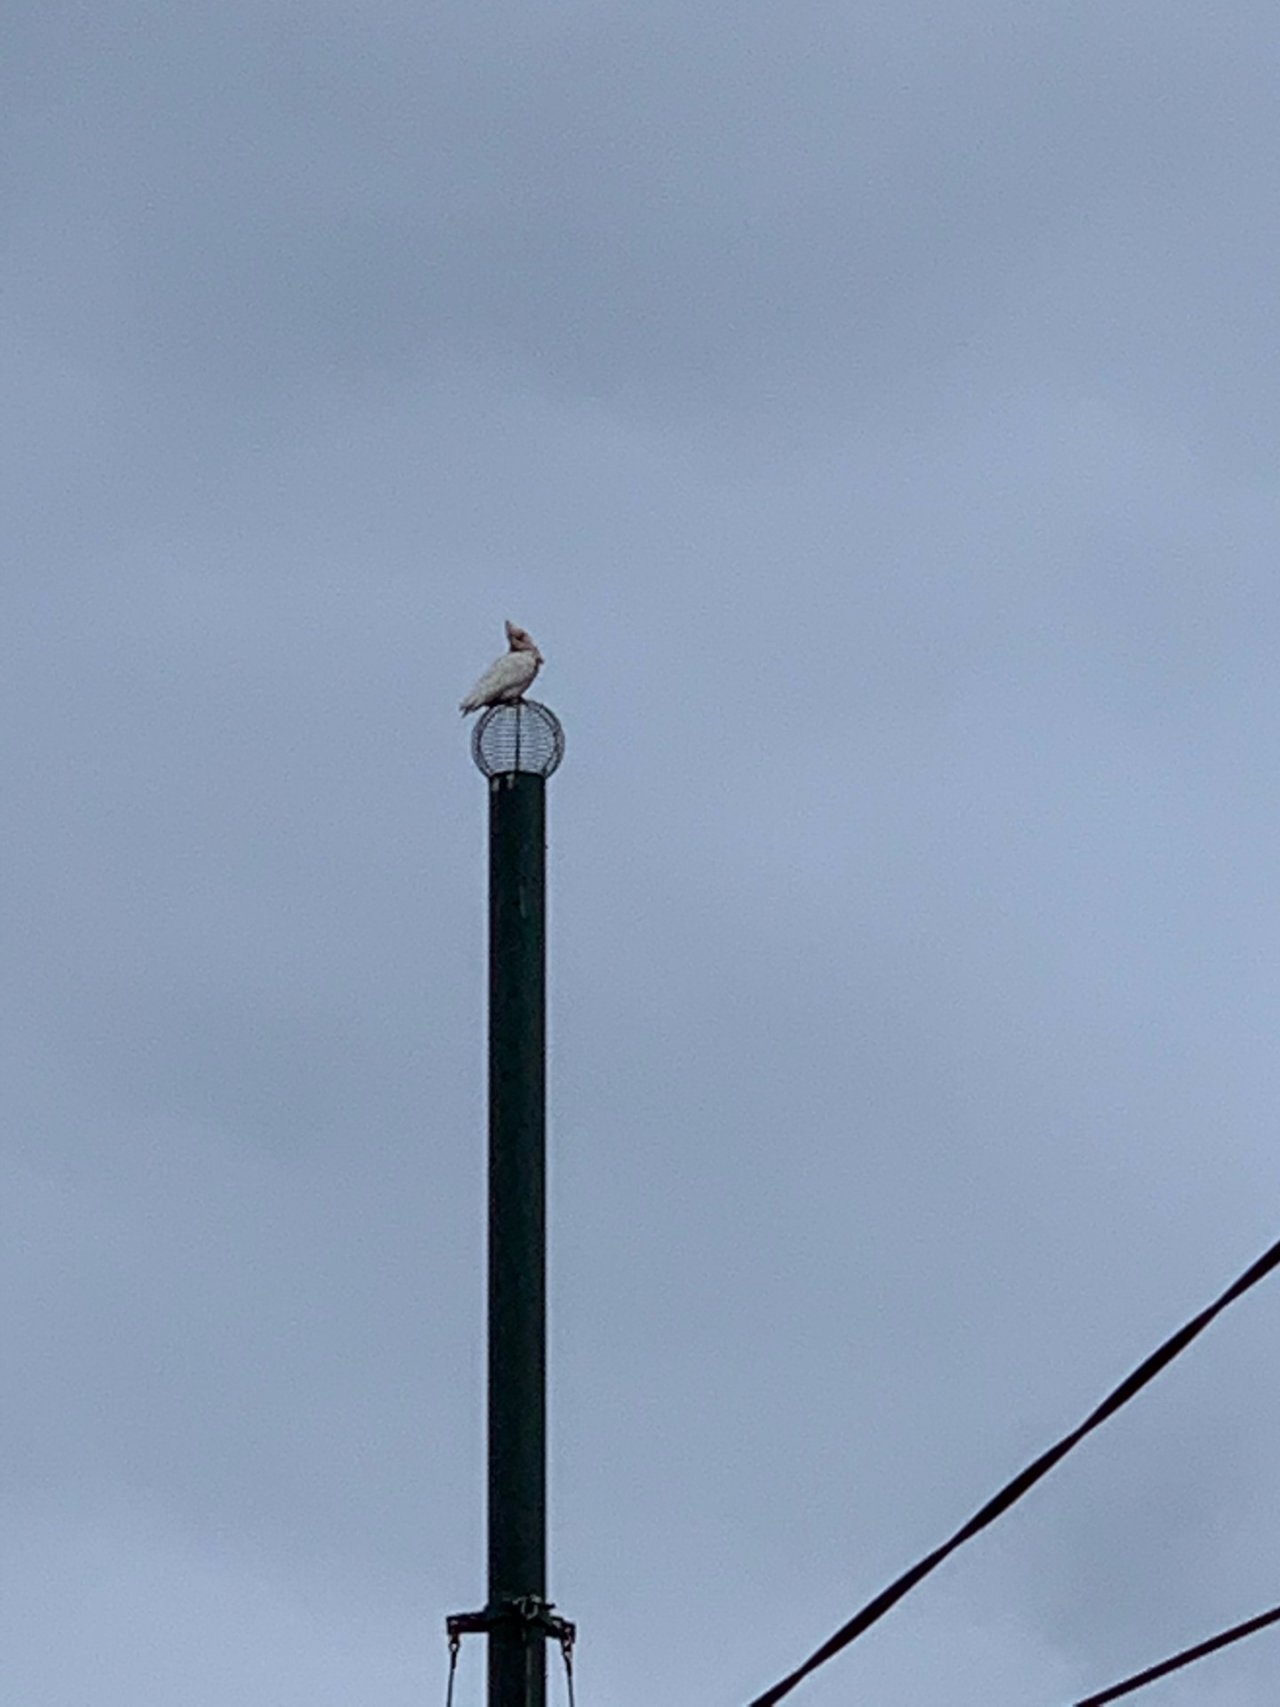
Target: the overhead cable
(1023, 1482)
(1223, 1639)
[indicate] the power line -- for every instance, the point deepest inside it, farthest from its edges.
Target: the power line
(1223, 1639)
(1023, 1482)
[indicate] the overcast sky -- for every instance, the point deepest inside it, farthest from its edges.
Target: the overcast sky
(871, 410)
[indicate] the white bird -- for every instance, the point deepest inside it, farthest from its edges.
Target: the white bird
(508, 678)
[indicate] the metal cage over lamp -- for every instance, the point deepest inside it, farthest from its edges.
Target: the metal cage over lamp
(522, 736)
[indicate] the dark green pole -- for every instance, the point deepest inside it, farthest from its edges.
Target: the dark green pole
(517, 746)
(517, 1239)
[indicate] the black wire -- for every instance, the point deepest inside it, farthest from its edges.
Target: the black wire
(567, 1654)
(1022, 1483)
(1223, 1639)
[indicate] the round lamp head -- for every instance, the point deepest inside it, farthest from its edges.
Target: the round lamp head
(521, 736)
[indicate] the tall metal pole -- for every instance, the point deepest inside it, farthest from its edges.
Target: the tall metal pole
(517, 1235)
(517, 746)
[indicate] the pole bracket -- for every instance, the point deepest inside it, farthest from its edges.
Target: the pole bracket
(530, 1614)
(526, 1612)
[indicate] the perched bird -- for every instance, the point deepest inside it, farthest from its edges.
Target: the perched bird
(510, 676)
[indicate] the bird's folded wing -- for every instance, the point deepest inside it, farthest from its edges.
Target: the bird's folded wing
(510, 674)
